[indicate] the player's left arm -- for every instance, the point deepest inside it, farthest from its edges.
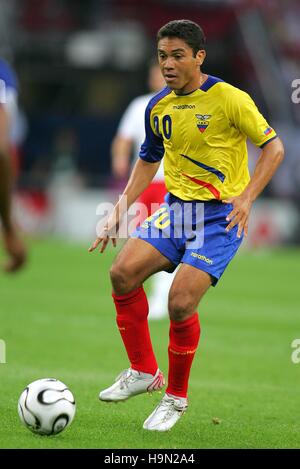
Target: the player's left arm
(267, 164)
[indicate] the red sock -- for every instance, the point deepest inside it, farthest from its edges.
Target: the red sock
(184, 338)
(132, 312)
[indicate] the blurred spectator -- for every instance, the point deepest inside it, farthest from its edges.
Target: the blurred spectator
(8, 104)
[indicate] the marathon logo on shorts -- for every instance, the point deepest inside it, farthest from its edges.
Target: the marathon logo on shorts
(268, 131)
(202, 258)
(202, 121)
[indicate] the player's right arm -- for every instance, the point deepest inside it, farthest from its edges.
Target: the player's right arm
(152, 151)
(141, 176)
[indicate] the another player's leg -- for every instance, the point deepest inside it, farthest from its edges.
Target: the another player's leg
(188, 287)
(158, 300)
(152, 197)
(135, 263)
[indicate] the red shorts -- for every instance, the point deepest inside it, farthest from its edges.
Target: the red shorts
(154, 194)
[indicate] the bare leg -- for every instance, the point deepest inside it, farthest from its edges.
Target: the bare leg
(137, 261)
(188, 287)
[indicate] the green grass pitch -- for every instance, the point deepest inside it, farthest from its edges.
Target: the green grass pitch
(57, 319)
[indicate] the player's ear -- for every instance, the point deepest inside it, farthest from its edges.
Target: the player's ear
(200, 56)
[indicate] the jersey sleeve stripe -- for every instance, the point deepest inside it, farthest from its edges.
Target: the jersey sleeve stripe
(211, 81)
(270, 140)
(158, 97)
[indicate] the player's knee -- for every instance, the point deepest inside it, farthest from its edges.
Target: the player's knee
(180, 306)
(120, 279)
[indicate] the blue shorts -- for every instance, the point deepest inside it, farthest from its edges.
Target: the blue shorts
(192, 233)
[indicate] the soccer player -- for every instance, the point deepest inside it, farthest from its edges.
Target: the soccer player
(130, 135)
(200, 125)
(8, 101)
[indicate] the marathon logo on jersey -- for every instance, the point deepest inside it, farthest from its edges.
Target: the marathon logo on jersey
(2, 92)
(184, 106)
(202, 121)
(268, 131)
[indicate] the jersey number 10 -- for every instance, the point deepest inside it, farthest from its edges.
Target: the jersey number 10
(166, 126)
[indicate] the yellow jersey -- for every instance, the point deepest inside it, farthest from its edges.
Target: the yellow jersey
(202, 137)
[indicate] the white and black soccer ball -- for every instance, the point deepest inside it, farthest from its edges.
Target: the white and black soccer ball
(46, 406)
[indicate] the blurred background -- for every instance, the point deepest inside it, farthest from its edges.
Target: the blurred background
(80, 63)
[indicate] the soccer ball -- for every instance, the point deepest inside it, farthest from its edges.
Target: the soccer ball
(46, 406)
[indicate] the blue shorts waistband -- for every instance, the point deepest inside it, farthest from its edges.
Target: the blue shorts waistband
(171, 198)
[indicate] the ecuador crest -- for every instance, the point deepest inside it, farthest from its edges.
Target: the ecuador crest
(203, 121)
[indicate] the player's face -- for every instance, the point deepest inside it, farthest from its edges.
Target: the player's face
(181, 70)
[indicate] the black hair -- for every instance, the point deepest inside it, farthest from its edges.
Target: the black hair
(186, 30)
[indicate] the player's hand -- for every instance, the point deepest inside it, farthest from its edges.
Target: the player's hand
(15, 250)
(239, 214)
(108, 232)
